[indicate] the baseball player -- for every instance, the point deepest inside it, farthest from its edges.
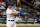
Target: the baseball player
(11, 16)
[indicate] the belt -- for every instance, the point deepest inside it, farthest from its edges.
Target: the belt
(10, 20)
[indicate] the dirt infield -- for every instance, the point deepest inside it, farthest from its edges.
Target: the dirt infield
(23, 25)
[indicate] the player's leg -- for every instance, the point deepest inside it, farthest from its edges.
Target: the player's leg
(9, 24)
(14, 25)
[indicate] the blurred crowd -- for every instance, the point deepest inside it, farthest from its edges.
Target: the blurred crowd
(18, 5)
(31, 4)
(2, 6)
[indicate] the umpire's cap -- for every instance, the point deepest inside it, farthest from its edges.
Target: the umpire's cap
(7, 4)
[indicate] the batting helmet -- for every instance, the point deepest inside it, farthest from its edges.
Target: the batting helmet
(7, 4)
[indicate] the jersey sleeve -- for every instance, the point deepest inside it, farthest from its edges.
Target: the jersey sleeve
(9, 12)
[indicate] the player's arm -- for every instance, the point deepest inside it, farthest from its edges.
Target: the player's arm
(16, 12)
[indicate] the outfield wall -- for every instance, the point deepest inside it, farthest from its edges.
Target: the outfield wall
(23, 25)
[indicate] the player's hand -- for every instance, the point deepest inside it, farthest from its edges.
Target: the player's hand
(24, 13)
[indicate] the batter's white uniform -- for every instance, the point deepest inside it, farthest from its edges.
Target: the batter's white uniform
(10, 17)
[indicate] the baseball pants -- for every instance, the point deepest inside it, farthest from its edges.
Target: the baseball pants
(11, 24)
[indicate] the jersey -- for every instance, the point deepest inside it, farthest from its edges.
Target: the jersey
(9, 16)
